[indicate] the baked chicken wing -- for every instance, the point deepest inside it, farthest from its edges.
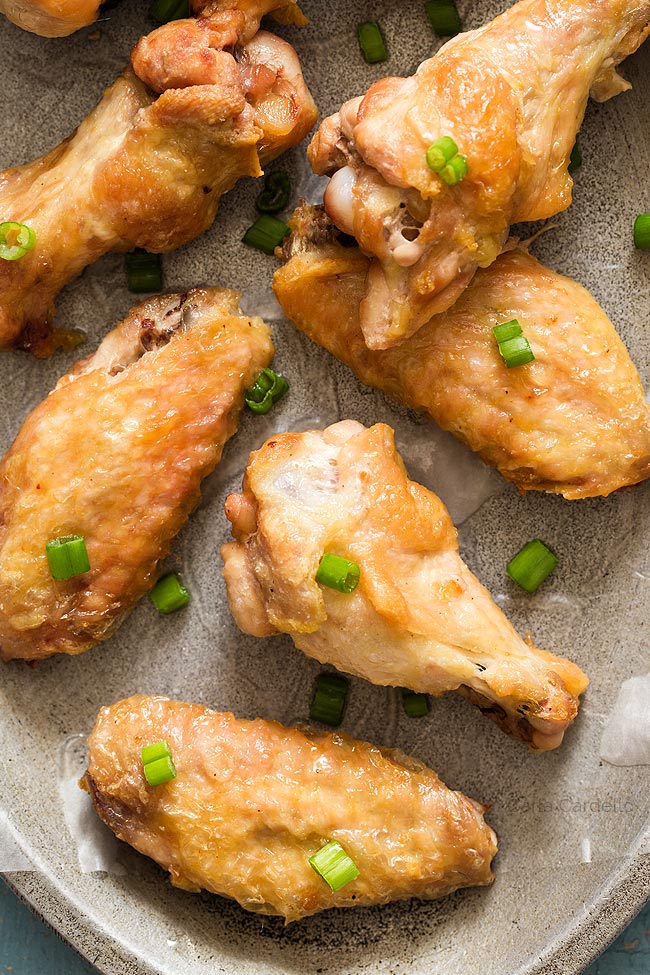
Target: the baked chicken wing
(511, 95)
(253, 801)
(50, 18)
(575, 421)
(205, 101)
(418, 617)
(116, 454)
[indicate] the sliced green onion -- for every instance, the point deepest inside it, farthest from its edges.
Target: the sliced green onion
(266, 234)
(338, 573)
(642, 231)
(151, 753)
(267, 389)
(144, 271)
(15, 240)
(443, 17)
(328, 702)
(162, 770)
(439, 154)
(371, 42)
(455, 170)
(169, 594)
(532, 565)
(507, 330)
(575, 159)
(415, 705)
(165, 10)
(516, 352)
(334, 865)
(67, 556)
(275, 195)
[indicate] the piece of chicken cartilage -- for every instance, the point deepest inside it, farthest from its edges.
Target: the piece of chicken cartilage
(505, 102)
(115, 456)
(252, 802)
(418, 617)
(204, 102)
(574, 421)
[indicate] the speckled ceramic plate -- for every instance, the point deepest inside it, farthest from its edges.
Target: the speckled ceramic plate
(573, 865)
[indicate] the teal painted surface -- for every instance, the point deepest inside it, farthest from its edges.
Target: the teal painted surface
(29, 947)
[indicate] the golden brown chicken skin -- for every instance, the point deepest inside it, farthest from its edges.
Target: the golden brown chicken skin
(512, 96)
(50, 18)
(253, 800)
(116, 454)
(204, 102)
(574, 422)
(418, 617)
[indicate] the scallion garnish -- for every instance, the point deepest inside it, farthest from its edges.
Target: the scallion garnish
(371, 42)
(575, 159)
(439, 154)
(15, 240)
(328, 702)
(151, 753)
(67, 556)
(338, 573)
(513, 345)
(143, 271)
(266, 234)
(169, 594)
(642, 231)
(415, 705)
(158, 764)
(275, 195)
(334, 865)
(532, 565)
(165, 10)
(266, 390)
(443, 17)
(455, 170)
(445, 160)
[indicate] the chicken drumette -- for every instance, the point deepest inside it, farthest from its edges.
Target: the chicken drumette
(116, 454)
(204, 102)
(575, 421)
(512, 96)
(418, 617)
(253, 801)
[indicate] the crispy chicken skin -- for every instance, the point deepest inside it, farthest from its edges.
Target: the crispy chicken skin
(50, 18)
(253, 800)
(574, 422)
(418, 617)
(204, 102)
(512, 95)
(116, 453)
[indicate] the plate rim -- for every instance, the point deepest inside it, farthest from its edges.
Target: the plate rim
(575, 947)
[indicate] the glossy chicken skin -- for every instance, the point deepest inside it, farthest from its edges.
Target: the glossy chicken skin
(418, 617)
(253, 800)
(512, 95)
(205, 102)
(50, 18)
(116, 454)
(574, 422)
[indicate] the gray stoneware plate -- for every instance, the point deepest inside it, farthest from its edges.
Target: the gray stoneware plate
(574, 864)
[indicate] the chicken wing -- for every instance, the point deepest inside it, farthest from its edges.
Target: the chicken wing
(148, 166)
(575, 421)
(512, 96)
(58, 18)
(253, 800)
(116, 454)
(418, 617)
(50, 18)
